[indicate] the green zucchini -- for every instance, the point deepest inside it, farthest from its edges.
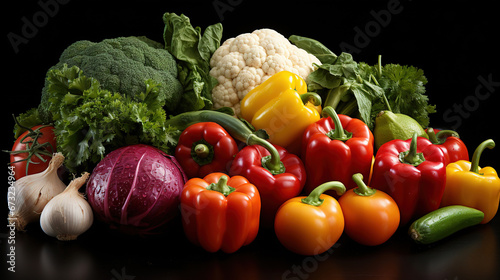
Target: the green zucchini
(443, 222)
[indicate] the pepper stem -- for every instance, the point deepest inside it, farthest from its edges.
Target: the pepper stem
(312, 97)
(272, 162)
(490, 144)
(432, 135)
(411, 156)
(201, 150)
(440, 137)
(313, 198)
(338, 133)
(221, 186)
(447, 133)
(362, 189)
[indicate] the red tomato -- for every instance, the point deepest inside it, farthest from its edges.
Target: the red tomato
(20, 151)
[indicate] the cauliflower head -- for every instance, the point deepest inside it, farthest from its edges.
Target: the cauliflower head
(245, 61)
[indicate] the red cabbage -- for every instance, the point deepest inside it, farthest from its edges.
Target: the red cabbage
(136, 189)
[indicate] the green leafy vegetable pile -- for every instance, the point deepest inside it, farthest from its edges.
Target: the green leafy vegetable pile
(120, 91)
(358, 89)
(90, 121)
(122, 65)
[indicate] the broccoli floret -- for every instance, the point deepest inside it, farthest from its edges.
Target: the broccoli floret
(122, 65)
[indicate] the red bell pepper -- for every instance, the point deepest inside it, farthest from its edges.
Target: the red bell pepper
(278, 174)
(334, 148)
(450, 143)
(204, 148)
(413, 173)
(220, 212)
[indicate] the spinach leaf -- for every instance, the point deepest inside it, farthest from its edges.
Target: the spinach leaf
(192, 50)
(314, 47)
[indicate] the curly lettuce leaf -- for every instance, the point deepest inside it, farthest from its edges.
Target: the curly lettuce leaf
(90, 121)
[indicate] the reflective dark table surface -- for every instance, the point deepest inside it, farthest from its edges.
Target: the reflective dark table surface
(473, 253)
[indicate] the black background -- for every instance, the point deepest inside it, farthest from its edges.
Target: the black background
(456, 44)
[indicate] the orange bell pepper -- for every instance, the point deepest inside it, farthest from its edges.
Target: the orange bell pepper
(220, 212)
(311, 225)
(469, 185)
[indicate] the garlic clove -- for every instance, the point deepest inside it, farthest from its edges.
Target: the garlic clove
(68, 214)
(33, 192)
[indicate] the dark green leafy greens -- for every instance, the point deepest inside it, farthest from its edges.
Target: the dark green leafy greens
(121, 91)
(192, 50)
(122, 65)
(315, 48)
(357, 89)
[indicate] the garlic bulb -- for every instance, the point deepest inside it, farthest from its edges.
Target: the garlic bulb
(33, 192)
(68, 214)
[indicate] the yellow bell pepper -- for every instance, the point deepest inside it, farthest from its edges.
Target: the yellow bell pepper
(283, 108)
(469, 185)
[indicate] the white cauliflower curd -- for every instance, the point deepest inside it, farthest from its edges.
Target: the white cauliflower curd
(244, 62)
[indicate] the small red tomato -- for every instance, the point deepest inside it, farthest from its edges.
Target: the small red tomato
(32, 151)
(371, 216)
